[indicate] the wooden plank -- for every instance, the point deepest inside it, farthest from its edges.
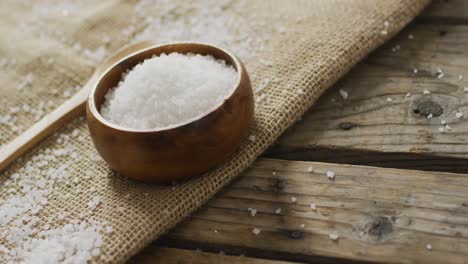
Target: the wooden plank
(445, 12)
(381, 215)
(367, 129)
(155, 254)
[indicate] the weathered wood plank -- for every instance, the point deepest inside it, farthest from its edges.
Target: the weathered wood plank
(445, 12)
(382, 215)
(369, 129)
(155, 254)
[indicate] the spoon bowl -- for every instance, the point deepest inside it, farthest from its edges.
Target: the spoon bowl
(179, 151)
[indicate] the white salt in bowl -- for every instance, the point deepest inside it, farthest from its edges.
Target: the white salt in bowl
(178, 151)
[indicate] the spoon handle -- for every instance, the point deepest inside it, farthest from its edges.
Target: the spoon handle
(48, 124)
(64, 113)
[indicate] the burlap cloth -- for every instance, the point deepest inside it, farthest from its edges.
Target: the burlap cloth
(294, 50)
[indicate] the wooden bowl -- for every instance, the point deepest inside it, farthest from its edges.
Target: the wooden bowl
(180, 151)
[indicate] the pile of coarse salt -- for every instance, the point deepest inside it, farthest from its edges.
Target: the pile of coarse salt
(169, 89)
(29, 231)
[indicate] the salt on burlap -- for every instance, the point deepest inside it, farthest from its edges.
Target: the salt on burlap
(294, 51)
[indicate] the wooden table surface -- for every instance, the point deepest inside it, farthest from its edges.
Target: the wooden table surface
(408, 204)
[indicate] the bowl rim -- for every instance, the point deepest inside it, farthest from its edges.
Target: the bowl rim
(92, 104)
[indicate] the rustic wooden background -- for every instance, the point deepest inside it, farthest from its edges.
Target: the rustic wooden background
(408, 206)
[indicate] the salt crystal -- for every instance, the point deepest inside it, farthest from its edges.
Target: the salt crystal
(415, 70)
(256, 231)
(386, 24)
(75, 132)
(273, 173)
(429, 247)
(252, 138)
(344, 94)
(253, 211)
(334, 235)
(300, 91)
(448, 128)
(458, 115)
(330, 174)
(293, 199)
(439, 73)
(313, 206)
(442, 129)
(310, 169)
(408, 94)
(465, 89)
(410, 36)
(389, 99)
(278, 211)
(429, 116)
(172, 87)
(426, 91)
(443, 122)
(302, 225)
(460, 77)
(384, 32)
(121, 210)
(109, 229)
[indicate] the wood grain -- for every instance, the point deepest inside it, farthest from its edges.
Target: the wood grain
(453, 12)
(379, 214)
(367, 129)
(155, 254)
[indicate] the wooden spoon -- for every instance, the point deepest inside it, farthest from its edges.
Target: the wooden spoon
(64, 113)
(154, 155)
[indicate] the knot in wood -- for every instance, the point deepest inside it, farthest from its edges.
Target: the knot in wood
(346, 125)
(295, 234)
(374, 229)
(428, 107)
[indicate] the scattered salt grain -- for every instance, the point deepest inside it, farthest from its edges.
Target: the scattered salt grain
(109, 229)
(300, 91)
(429, 116)
(256, 231)
(415, 71)
(344, 94)
(253, 211)
(442, 129)
(278, 211)
(75, 132)
(448, 128)
(94, 202)
(252, 138)
(120, 209)
(273, 173)
(443, 122)
(389, 99)
(334, 235)
(302, 225)
(458, 115)
(410, 36)
(330, 174)
(439, 73)
(293, 199)
(465, 89)
(460, 77)
(384, 32)
(310, 169)
(408, 94)
(429, 247)
(313, 206)
(426, 91)
(169, 89)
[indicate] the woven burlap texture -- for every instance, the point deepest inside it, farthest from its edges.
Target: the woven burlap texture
(302, 62)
